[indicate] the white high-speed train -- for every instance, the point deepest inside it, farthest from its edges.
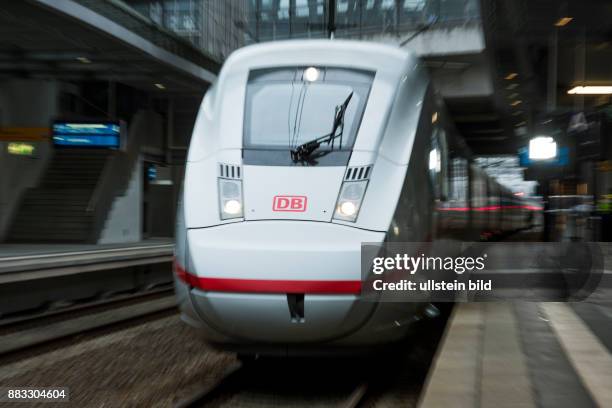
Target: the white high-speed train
(301, 151)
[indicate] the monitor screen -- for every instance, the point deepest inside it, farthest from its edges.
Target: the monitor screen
(82, 134)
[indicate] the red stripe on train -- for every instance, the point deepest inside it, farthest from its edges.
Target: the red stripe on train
(492, 208)
(268, 285)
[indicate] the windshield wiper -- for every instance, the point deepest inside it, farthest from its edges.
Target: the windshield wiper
(303, 151)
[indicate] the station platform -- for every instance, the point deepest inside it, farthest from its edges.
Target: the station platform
(35, 277)
(526, 354)
(29, 261)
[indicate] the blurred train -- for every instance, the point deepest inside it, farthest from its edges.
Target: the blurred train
(302, 151)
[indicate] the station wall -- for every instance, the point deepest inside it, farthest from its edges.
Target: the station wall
(26, 104)
(29, 103)
(124, 222)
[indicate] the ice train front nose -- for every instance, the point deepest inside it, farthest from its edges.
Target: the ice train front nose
(276, 207)
(278, 281)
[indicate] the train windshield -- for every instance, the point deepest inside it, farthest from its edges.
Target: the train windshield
(286, 108)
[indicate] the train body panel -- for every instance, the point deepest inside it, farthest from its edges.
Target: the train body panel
(286, 189)
(279, 250)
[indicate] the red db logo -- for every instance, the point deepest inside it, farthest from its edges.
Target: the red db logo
(289, 203)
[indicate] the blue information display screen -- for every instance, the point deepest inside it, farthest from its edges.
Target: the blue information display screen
(75, 134)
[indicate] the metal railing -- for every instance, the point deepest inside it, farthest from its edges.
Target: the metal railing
(353, 18)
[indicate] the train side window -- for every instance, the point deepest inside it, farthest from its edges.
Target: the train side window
(479, 188)
(459, 181)
(438, 163)
(444, 164)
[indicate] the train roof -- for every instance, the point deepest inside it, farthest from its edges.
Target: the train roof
(346, 53)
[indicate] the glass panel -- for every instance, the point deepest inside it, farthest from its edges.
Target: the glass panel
(220, 26)
(283, 113)
(216, 26)
(459, 181)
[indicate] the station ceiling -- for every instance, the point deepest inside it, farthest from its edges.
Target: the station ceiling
(40, 40)
(539, 49)
(534, 60)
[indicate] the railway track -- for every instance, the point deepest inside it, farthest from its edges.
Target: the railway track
(235, 387)
(27, 333)
(391, 378)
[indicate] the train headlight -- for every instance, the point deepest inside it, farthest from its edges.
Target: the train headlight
(347, 208)
(349, 200)
(232, 207)
(230, 198)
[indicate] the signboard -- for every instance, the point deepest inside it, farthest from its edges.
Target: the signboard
(87, 134)
(151, 172)
(21, 149)
(605, 166)
(561, 159)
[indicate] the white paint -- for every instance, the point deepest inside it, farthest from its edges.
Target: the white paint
(124, 222)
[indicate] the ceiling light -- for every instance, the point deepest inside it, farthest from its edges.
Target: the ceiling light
(516, 103)
(517, 113)
(511, 87)
(542, 148)
(84, 60)
(523, 123)
(160, 86)
(563, 21)
(590, 90)
(435, 161)
(513, 96)
(511, 76)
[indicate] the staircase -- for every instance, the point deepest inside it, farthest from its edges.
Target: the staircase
(57, 209)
